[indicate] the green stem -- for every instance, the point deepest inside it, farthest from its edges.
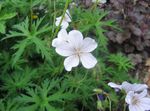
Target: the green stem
(31, 13)
(109, 103)
(124, 107)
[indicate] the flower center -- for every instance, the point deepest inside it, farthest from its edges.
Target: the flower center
(135, 101)
(78, 51)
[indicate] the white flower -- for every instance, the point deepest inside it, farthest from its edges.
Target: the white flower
(138, 102)
(129, 87)
(65, 21)
(77, 49)
(99, 1)
(61, 37)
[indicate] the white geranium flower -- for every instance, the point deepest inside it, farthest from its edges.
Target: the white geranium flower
(129, 87)
(77, 49)
(99, 1)
(138, 102)
(62, 36)
(65, 21)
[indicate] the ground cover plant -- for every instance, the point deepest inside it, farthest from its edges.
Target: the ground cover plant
(54, 57)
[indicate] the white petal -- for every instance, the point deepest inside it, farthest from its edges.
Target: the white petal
(127, 86)
(64, 49)
(132, 108)
(143, 94)
(145, 103)
(57, 22)
(56, 42)
(68, 16)
(58, 18)
(99, 1)
(113, 85)
(88, 45)
(76, 38)
(103, 1)
(139, 87)
(129, 97)
(139, 108)
(64, 24)
(62, 34)
(71, 61)
(88, 60)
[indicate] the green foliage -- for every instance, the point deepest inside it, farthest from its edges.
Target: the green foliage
(122, 62)
(93, 21)
(18, 80)
(9, 105)
(4, 17)
(31, 37)
(32, 75)
(45, 97)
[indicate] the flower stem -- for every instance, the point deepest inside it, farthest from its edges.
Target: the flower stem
(31, 13)
(124, 107)
(109, 103)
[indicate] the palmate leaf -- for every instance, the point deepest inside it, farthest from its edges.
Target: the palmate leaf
(122, 62)
(9, 105)
(21, 46)
(45, 97)
(30, 35)
(2, 27)
(19, 80)
(93, 21)
(6, 16)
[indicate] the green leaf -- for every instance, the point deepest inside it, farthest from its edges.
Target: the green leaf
(21, 47)
(7, 16)
(2, 27)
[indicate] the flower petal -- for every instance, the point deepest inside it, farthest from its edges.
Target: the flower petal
(56, 42)
(132, 108)
(127, 86)
(129, 97)
(75, 38)
(113, 85)
(57, 22)
(63, 35)
(64, 49)
(143, 94)
(58, 18)
(88, 45)
(68, 16)
(64, 24)
(139, 87)
(145, 103)
(88, 60)
(71, 61)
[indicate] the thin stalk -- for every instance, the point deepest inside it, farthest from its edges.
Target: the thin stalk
(124, 109)
(31, 13)
(109, 102)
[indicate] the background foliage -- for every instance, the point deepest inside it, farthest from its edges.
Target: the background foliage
(32, 75)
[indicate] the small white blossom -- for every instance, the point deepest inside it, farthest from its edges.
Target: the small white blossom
(129, 87)
(77, 49)
(66, 20)
(61, 37)
(138, 102)
(99, 1)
